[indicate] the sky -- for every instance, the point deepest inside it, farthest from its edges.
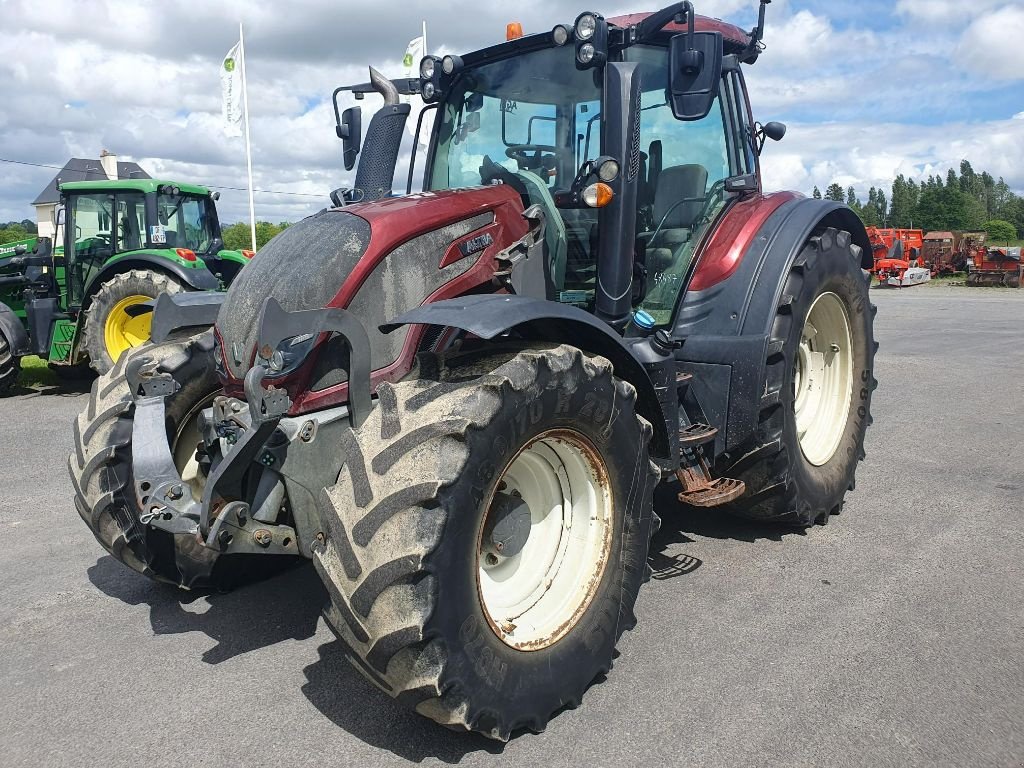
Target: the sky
(868, 88)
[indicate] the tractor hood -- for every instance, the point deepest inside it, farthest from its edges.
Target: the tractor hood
(377, 260)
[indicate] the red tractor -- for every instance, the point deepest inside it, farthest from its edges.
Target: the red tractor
(458, 402)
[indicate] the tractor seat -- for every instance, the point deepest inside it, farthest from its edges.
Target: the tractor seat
(556, 240)
(675, 218)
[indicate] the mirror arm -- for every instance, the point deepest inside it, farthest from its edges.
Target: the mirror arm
(656, 22)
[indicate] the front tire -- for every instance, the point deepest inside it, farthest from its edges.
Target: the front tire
(410, 559)
(101, 465)
(109, 329)
(819, 380)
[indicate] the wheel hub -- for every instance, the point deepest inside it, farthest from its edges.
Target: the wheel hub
(545, 540)
(823, 379)
(121, 331)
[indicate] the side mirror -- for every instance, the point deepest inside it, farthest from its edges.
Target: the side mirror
(695, 59)
(773, 131)
(350, 131)
(59, 214)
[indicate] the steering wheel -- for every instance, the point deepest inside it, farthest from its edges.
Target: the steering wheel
(530, 156)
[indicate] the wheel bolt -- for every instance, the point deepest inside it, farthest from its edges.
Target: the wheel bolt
(491, 559)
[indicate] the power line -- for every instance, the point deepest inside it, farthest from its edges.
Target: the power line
(210, 186)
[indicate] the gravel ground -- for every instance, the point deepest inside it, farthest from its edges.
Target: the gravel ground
(891, 637)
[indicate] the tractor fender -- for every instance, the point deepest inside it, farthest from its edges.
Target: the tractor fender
(726, 327)
(197, 279)
(489, 316)
(14, 331)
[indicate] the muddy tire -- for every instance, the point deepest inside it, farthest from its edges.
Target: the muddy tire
(10, 366)
(818, 389)
(410, 519)
(107, 331)
(101, 465)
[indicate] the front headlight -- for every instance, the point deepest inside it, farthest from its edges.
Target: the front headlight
(290, 354)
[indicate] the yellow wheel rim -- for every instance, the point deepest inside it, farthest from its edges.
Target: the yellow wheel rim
(121, 331)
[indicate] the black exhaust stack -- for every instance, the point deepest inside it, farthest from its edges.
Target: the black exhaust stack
(379, 157)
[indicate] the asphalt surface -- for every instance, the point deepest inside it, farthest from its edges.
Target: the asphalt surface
(892, 637)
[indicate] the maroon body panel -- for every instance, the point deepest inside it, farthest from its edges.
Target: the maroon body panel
(730, 32)
(725, 247)
(395, 221)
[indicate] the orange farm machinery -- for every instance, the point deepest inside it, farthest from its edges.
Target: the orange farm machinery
(995, 266)
(895, 250)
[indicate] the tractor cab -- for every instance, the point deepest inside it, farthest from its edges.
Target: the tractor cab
(103, 223)
(551, 115)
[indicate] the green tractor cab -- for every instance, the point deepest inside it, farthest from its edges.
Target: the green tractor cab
(85, 297)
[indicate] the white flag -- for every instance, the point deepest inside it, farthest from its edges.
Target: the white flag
(413, 54)
(231, 88)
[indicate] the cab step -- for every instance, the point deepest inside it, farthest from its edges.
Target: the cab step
(713, 493)
(696, 434)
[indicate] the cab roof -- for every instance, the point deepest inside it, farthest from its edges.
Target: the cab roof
(133, 185)
(734, 36)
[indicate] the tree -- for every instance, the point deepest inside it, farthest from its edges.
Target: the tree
(851, 199)
(835, 192)
(817, 194)
(1000, 231)
(12, 233)
(237, 236)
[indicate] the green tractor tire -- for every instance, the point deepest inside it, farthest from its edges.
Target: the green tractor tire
(109, 329)
(10, 366)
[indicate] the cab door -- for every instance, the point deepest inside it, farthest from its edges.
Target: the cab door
(88, 240)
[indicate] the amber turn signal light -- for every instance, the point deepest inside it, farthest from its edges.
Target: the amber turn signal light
(598, 195)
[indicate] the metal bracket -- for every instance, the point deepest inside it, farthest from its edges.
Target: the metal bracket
(235, 529)
(145, 381)
(192, 309)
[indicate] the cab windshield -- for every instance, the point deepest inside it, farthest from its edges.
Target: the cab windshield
(185, 221)
(529, 121)
(533, 119)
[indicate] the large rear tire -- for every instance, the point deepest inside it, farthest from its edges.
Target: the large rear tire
(10, 366)
(109, 329)
(101, 465)
(471, 634)
(818, 386)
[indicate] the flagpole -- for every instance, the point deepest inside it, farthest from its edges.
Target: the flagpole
(248, 145)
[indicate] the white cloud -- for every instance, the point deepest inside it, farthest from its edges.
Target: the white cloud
(864, 154)
(992, 44)
(945, 11)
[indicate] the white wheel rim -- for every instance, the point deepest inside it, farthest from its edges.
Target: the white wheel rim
(823, 379)
(535, 597)
(186, 441)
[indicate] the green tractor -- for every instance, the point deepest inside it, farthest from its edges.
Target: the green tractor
(86, 297)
